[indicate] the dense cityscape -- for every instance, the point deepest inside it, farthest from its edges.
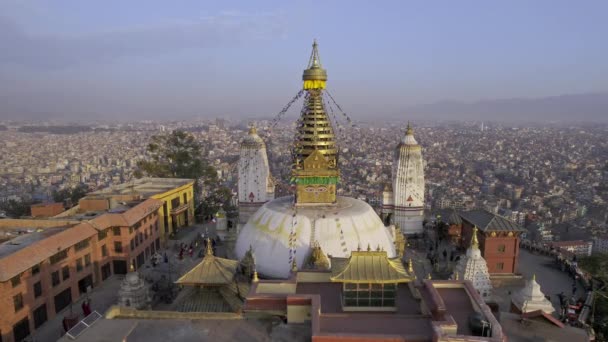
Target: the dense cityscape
(303, 171)
(549, 179)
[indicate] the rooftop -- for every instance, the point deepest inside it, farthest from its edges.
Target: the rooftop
(24, 240)
(145, 187)
(486, 221)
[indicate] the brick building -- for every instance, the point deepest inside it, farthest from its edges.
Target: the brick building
(42, 273)
(46, 209)
(498, 239)
(577, 247)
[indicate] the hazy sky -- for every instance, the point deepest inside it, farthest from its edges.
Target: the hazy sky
(162, 59)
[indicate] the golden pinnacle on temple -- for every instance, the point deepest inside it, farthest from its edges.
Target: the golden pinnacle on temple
(409, 130)
(429, 276)
(209, 247)
(255, 276)
(474, 241)
(410, 266)
(456, 276)
(294, 265)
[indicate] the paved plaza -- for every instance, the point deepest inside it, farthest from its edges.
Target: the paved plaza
(105, 295)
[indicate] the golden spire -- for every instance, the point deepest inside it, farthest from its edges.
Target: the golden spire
(456, 277)
(409, 130)
(255, 276)
(252, 129)
(294, 265)
(474, 242)
(410, 266)
(534, 277)
(209, 246)
(429, 277)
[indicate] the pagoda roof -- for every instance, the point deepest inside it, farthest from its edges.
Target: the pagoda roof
(211, 271)
(486, 221)
(369, 267)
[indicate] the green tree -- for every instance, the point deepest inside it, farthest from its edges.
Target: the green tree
(72, 194)
(16, 209)
(179, 155)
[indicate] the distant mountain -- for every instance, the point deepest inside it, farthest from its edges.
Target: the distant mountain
(576, 107)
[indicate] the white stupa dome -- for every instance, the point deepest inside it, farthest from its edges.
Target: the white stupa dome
(277, 229)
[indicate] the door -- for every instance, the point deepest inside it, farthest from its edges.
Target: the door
(106, 271)
(63, 299)
(40, 316)
(84, 283)
(120, 266)
(21, 330)
(140, 260)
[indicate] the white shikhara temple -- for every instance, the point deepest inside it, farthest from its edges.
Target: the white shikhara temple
(403, 201)
(255, 185)
(473, 267)
(282, 232)
(531, 298)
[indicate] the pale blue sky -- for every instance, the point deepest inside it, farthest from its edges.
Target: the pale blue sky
(149, 59)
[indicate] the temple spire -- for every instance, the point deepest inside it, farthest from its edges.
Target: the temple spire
(315, 60)
(209, 246)
(474, 241)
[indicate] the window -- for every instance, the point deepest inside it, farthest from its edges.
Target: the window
(37, 290)
(55, 278)
(502, 248)
(132, 244)
(104, 250)
(155, 226)
(102, 234)
(130, 230)
(59, 256)
(35, 269)
(157, 243)
(65, 271)
(87, 260)
(81, 245)
(18, 302)
(378, 295)
(500, 266)
(79, 265)
(16, 280)
(116, 231)
(117, 246)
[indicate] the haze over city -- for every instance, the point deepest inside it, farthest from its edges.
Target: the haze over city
(111, 60)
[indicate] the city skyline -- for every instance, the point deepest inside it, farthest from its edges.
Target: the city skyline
(132, 62)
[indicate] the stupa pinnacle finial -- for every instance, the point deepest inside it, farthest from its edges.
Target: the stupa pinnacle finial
(253, 129)
(409, 130)
(209, 247)
(294, 265)
(410, 267)
(534, 277)
(474, 241)
(314, 76)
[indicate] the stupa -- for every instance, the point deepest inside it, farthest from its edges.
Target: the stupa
(133, 291)
(531, 298)
(287, 228)
(473, 267)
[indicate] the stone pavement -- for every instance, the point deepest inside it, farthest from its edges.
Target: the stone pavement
(102, 297)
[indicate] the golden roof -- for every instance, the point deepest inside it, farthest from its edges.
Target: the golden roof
(369, 267)
(315, 131)
(211, 271)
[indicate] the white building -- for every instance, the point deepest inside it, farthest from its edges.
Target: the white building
(531, 298)
(403, 203)
(473, 267)
(255, 186)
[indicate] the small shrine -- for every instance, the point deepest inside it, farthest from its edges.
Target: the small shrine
(369, 280)
(473, 267)
(133, 291)
(212, 271)
(531, 298)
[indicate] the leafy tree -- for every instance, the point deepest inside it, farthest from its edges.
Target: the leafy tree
(71, 194)
(15, 209)
(179, 155)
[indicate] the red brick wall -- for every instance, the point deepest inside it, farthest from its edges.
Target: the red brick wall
(490, 249)
(47, 210)
(94, 204)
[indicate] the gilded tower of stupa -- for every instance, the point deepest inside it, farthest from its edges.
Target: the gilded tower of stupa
(315, 169)
(286, 232)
